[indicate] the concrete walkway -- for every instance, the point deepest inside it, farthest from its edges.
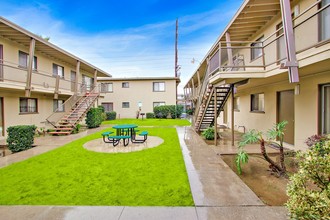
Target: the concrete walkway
(217, 191)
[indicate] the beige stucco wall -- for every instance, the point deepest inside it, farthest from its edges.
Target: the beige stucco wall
(138, 91)
(306, 106)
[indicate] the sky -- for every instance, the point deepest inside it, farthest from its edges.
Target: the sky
(128, 38)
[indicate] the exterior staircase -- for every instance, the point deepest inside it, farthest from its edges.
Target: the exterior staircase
(64, 122)
(205, 116)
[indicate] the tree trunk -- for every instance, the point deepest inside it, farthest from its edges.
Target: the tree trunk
(273, 165)
(282, 159)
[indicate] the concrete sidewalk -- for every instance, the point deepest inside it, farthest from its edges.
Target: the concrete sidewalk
(217, 192)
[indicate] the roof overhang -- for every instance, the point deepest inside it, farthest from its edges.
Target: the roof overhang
(15, 33)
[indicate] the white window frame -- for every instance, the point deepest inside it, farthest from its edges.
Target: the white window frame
(158, 86)
(256, 52)
(125, 84)
(125, 104)
(324, 18)
(107, 87)
(106, 106)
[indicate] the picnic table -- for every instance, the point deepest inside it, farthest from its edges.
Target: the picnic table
(125, 129)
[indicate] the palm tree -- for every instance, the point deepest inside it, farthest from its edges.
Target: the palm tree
(275, 137)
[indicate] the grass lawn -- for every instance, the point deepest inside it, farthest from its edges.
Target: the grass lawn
(71, 175)
(150, 122)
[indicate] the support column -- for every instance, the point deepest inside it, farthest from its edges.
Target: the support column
(193, 87)
(215, 117)
(198, 78)
(232, 117)
(219, 56)
(77, 77)
(57, 86)
(291, 63)
(229, 50)
(29, 68)
(95, 79)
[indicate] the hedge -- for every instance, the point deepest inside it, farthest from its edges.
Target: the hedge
(174, 111)
(111, 115)
(94, 117)
(150, 115)
(20, 137)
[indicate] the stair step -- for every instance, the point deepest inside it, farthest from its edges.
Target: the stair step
(59, 132)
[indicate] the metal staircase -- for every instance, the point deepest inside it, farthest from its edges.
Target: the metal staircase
(67, 116)
(206, 114)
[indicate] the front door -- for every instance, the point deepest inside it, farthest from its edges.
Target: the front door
(285, 111)
(2, 132)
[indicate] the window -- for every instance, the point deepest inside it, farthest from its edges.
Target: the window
(256, 49)
(106, 87)
(158, 103)
(258, 102)
(125, 104)
(236, 103)
(158, 86)
(23, 59)
(125, 85)
(58, 70)
(324, 21)
(88, 82)
(58, 105)
(325, 109)
(28, 105)
(108, 106)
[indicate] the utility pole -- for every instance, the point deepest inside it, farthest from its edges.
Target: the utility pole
(176, 67)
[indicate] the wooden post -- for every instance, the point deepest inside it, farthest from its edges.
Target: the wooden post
(198, 78)
(232, 117)
(215, 117)
(29, 68)
(229, 50)
(193, 87)
(95, 79)
(57, 85)
(219, 56)
(77, 77)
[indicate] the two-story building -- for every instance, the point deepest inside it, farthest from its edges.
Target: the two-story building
(33, 91)
(271, 63)
(128, 96)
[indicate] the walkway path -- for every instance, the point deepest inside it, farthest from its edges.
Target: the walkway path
(217, 192)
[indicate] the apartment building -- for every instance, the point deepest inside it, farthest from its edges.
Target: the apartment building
(271, 63)
(33, 91)
(128, 96)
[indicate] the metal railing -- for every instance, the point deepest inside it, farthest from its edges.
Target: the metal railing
(306, 27)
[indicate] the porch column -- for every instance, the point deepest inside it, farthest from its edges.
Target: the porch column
(95, 79)
(57, 86)
(291, 64)
(29, 68)
(77, 77)
(198, 78)
(193, 87)
(215, 117)
(219, 56)
(229, 50)
(232, 117)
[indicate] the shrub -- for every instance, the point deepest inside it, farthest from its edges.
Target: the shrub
(150, 115)
(76, 129)
(164, 110)
(111, 115)
(102, 108)
(189, 112)
(20, 137)
(94, 118)
(208, 133)
(309, 188)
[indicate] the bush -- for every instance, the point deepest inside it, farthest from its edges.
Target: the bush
(150, 115)
(94, 118)
(163, 111)
(102, 108)
(111, 115)
(309, 189)
(189, 112)
(20, 137)
(76, 129)
(208, 133)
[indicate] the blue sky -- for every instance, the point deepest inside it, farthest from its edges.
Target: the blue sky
(127, 38)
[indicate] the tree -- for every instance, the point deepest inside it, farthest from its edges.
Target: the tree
(254, 136)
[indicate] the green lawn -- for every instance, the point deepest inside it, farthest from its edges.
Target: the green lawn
(150, 122)
(71, 175)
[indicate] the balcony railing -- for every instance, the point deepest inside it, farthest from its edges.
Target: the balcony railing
(267, 54)
(14, 76)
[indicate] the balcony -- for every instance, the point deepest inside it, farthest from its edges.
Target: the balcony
(237, 60)
(12, 76)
